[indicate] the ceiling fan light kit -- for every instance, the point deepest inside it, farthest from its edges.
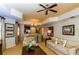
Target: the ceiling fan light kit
(47, 8)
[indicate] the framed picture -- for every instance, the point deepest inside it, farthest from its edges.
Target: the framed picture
(9, 30)
(68, 30)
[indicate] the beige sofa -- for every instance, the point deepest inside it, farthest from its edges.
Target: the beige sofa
(63, 47)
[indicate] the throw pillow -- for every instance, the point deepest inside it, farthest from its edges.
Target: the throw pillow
(53, 39)
(59, 42)
(56, 40)
(64, 43)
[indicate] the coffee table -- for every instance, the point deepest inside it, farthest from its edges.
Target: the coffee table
(38, 51)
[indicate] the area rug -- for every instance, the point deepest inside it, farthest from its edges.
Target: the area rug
(38, 51)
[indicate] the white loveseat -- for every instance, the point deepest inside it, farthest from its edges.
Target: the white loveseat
(63, 47)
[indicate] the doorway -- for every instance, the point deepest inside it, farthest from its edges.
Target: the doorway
(17, 33)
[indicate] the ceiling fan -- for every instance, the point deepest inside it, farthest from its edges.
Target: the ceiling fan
(47, 8)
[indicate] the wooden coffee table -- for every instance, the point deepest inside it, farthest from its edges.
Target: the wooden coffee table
(38, 51)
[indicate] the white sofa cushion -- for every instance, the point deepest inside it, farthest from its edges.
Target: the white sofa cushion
(61, 49)
(54, 40)
(61, 42)
(58, 48)
(64, 43)
(72, 43)
(64, 46)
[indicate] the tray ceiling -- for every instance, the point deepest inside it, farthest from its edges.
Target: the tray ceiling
(29, 10)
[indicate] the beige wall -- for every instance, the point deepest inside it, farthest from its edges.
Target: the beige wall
(70, 21)
(33, 30)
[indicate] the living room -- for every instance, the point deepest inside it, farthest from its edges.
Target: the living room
(69, 38)
(55, 30)
(58, 30)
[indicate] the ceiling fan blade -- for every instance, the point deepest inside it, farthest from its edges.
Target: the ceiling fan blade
(52, 6)
(40, 10)
(53, 10)
(46, 12)
(42, 6)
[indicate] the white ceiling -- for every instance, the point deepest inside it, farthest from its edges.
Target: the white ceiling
(29, 10)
